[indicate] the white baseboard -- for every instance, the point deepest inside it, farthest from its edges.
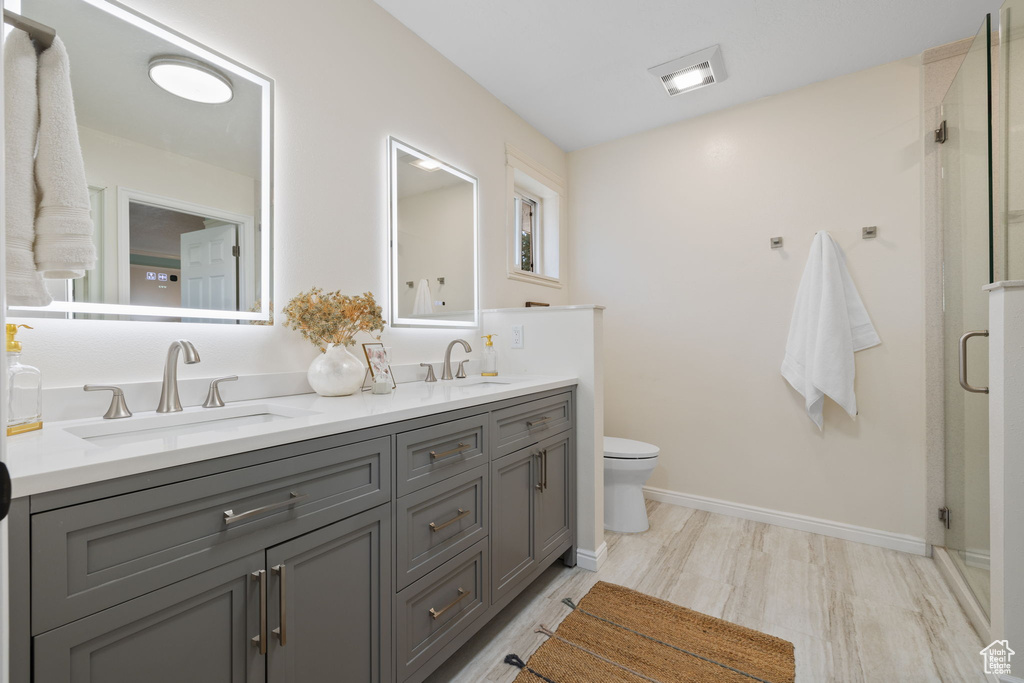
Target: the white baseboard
(592, 560)
(849, 532)
(977, 558)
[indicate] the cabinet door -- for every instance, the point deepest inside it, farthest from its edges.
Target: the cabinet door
(330, 604)
(199, 629)
(552, 500)
(513, 547)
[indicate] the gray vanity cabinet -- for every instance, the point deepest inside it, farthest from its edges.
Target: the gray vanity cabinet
(514, 550)
(328, 612)
(533, 510)
(368, 556)
(195, 630)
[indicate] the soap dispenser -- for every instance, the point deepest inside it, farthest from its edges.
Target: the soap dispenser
(490, 361)
(24, 389)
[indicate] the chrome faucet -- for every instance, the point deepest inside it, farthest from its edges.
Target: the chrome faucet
(169, 402)
(447, 372)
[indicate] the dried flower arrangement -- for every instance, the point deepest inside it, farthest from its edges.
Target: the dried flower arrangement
(332, 317)
(258, 307)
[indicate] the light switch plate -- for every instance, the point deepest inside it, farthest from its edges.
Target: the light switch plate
(517, 336)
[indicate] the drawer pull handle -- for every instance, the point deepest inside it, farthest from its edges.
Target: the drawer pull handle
(462, 513)
(436, 614)
(261, 640)
(538, 421)
(282, 631)
(434, 455)
(230, 517)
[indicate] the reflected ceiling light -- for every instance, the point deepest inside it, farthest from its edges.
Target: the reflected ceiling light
(691, 72)
(190, 79)
(426, 164)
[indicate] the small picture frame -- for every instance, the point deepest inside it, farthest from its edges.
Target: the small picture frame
(378, 362)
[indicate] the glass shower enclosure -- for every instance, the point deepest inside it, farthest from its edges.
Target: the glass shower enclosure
(982, 158)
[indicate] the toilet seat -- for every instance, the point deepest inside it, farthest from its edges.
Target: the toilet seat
(628, 449)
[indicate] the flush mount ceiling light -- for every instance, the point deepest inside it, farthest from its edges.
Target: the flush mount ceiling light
(426, 164)
(191, 79)
(691, 72)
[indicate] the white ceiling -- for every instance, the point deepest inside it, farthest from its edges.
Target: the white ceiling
(577, 69)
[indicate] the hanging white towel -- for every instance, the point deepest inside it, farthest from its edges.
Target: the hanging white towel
(829, 325)
(21, 116)
(64, 247)
(422, 305)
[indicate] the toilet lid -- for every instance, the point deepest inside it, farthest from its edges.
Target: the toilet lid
(614, 447)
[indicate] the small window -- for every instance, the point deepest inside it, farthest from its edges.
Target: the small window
(535, 213)
(528, 237)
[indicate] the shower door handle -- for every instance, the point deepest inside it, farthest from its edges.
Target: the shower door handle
(963, 362)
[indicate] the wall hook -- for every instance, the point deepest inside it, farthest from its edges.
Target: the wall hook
(776, 242)
(870, 232)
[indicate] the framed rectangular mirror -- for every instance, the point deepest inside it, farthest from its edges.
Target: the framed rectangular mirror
(180, 188)
(433, 238)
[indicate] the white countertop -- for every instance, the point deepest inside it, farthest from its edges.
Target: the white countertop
(53, 458)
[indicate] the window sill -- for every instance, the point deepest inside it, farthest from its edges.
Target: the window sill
(534, 278)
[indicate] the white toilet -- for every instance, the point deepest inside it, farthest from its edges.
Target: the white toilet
(627, 466)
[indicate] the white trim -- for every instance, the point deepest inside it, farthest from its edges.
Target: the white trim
(539, 309)
(535, 278)
(515, 158)
(814, 525)
(591, 560)
(977, 558)
(246, 238)
(963, 593)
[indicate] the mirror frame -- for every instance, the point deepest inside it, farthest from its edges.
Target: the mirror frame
(394, 147)
(264, 223)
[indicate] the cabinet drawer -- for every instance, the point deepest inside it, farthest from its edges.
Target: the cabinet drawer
(89, 557)
(438, 522)
(432, 454)
(522, 425)
(434, 610)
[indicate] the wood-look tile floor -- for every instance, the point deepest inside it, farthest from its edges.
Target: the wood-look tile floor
(853, 612)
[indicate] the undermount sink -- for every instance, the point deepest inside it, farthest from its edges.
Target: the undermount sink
(483, 380)
(191, 421)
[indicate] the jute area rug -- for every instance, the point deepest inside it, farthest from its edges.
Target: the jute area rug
(619, 635)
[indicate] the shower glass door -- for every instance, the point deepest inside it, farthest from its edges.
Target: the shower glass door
(968, 265)
(1009, 241)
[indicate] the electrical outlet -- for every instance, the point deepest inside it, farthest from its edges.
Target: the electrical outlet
(517, 336)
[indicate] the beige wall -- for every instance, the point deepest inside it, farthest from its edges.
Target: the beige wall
(670, 231)
(347, 75)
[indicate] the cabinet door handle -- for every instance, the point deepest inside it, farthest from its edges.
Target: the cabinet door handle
(230, 517)
(261, 640)
(540, 420)
(540, 473)
(436, 614)
(544, 459)
(434, 455)
(462, 513)
(282, 631)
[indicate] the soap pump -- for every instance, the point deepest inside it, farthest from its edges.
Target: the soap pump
(490, 361)
(24, 389)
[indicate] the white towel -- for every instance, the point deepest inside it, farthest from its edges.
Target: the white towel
(64, 246)
(21, 115)
(829, 324)
(422, 305)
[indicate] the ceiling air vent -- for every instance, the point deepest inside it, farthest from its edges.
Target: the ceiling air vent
(691, 72)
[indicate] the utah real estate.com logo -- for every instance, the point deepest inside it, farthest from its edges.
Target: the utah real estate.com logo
(997, 658)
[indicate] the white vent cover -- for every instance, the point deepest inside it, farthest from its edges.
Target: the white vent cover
(691, 72)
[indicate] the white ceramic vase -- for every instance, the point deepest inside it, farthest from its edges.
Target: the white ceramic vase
(336, 372)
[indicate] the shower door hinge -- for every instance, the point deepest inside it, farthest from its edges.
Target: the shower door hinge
(940, 133)
(944, 516)
(236, 251)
